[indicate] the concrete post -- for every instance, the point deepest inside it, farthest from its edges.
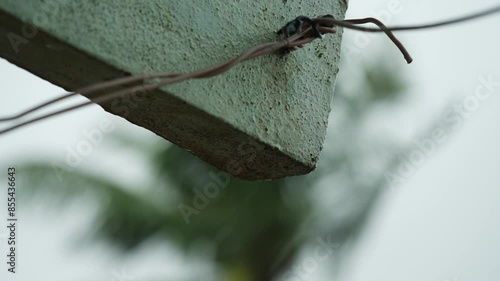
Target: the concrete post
(264, 119)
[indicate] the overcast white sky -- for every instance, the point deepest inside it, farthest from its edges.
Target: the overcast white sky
(441, 224)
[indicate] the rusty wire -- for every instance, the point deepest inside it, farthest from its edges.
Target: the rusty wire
(291, 43)
(169, 78)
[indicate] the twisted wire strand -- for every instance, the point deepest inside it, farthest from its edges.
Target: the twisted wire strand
(260, 50)
(349, 24)
(296, 40)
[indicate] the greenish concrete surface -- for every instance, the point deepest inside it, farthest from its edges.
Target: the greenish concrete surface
(264, 119)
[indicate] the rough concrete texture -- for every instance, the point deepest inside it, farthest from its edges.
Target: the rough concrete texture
(264, 119)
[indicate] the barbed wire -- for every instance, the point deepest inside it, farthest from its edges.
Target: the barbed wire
(325, 25)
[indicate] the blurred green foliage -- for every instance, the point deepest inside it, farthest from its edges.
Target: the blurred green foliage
(257, 228)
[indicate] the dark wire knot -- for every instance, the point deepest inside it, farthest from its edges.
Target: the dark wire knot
(300, 24)
(327, 22)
